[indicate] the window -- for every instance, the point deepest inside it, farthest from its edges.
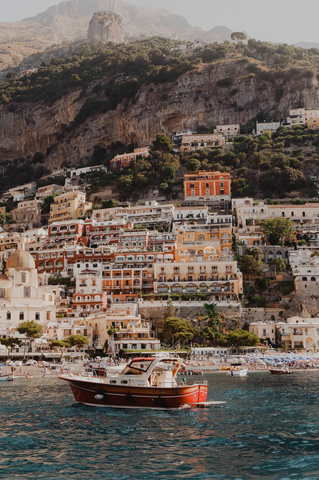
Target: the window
(23, 278)
(26, 291)
(21, 316)
(37, 316)
(9, 316)
(313, 279)
(2, 293)
(193, 193)
(264, 332)
(48, 315)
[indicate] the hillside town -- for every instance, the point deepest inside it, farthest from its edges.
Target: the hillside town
(111, 274)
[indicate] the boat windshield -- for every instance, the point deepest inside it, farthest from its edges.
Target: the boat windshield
(137, 368)
(164, 365)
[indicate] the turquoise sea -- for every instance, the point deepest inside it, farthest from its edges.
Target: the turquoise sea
(269, 430)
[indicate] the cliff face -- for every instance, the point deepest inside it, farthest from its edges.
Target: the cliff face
(106, 27)
(192, 100)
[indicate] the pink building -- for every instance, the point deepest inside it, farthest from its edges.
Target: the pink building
(121, 161)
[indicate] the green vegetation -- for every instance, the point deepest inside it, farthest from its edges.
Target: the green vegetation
(278, 231)
(31, 330)
(268, 165)
(251, 263)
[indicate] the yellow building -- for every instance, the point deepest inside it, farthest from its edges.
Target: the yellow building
(69, 206)
(217, 230)
(2, 210)
(199, 269)
(313, 123)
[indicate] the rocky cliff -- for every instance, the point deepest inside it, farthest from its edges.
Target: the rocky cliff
(106, 27)
(193, 99)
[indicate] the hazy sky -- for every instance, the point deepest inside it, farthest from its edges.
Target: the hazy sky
(289, 21)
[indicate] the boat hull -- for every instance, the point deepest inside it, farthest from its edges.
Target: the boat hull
(278, 372)
(136, 397)
(6, 378)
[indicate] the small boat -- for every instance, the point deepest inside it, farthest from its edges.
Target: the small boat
(281, 371)
(6, 378)
(143, 383)
(237, 370)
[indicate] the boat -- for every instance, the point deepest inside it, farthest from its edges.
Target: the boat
(281, 371)
(143, 383)
(237, 370)
(6, 378)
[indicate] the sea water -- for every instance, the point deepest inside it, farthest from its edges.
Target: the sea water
(269, 430)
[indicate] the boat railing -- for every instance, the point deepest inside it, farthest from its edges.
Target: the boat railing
(201, 382)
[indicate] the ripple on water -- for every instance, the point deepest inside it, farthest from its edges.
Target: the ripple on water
(269, 430)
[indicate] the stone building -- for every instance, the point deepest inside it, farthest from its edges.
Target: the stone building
(28, 213)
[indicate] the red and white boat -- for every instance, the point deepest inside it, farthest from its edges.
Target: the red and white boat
(281, 371)
(143, 383)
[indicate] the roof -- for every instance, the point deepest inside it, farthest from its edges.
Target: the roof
(21, 259)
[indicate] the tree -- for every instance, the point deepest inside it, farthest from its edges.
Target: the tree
(170, 310)
(256, 252)
(10, 343)
(175, 329)
(239, 36)
(77, 341)
(280, 264)
(61, 345)
(240, 338)
(251, 266)
(278, 231)
(111, 203)
(193, 165)
(111, 331)
(31, 330)
(162, 143)
(278, 337)
(214, 321)
(47, 203)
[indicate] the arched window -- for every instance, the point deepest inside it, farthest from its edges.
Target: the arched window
(313, 279)
(8, 315)
(37, 316)
(21, 316)
(304, 279)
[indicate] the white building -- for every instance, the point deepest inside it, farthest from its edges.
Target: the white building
(228, 130)
(270, 126)
(21, 299)
(297, 333)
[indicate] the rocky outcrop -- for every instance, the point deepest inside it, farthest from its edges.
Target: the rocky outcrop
(192, 100)
(106, 27)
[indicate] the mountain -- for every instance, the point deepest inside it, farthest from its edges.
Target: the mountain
(307, 45)
(68, 108)
(68, 22)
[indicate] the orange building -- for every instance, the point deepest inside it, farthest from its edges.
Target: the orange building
(207, 186)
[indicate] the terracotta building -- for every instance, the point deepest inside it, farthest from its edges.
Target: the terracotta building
(208, 187)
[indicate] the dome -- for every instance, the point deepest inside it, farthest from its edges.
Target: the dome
(20, 259)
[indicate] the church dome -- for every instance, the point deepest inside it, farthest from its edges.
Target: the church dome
(20, 259)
